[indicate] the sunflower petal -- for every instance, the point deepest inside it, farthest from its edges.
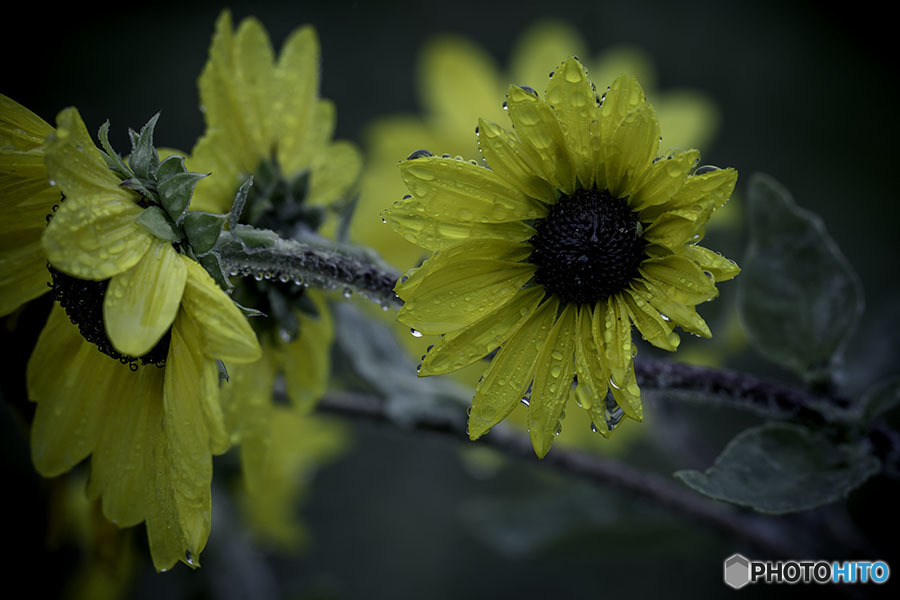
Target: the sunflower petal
(95, 238)
(663, 179)
(307, 360)
(500, 149)
(711, 189)
(680, 279)
(301, 120)
(553, 377)
(337, 168)
(543, 142)
(235, 87)
(574, 101)
(473, 250)
(75, 164)
(464, 347)
(70, 411)
(456, 191)
(649, 322)
(612, 335)
(510, 373)
(140, 304)
(122, 469)
(630, 149)
(463, 292)
(23, 273)
(593, 378)
(684, 316)
(447, 61)
(722, 269)
(225, 331)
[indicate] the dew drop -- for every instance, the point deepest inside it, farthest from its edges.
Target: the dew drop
(347, 292)
(415, 332)
(419, 154)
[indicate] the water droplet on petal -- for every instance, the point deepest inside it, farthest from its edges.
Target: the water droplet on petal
(415, 332)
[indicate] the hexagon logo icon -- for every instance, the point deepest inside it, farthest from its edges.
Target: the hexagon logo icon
(737, 571)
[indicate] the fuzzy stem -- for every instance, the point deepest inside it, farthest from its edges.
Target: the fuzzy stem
(314, 261)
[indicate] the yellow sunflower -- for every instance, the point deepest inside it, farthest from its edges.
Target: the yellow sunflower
(27, 198)
(265, 119)
(577, 229)
(125, 369)
(459, 82)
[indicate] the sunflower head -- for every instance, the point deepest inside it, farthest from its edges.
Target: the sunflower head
(576, 229)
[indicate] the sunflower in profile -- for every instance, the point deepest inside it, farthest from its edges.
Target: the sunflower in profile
(126, 370)
(265, 120)
(577, 229)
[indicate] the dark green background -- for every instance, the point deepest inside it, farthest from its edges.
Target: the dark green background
(807, 94)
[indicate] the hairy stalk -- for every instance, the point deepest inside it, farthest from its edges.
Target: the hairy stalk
(763, 534)
(315, 261)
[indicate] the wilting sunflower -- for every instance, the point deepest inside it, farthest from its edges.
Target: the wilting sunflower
(577, 230)
(126, 368)
(265, 119)
(27, 198)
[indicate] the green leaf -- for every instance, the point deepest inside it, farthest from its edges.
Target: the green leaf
(144, 159)
(240, 199)
(781, 468)
(881, 399)
(176, 191)
(799, 298)
(169, 167)
(154, 220)
(203, 229)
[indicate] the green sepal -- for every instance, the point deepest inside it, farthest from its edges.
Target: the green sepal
(255, 238)
(203, 229)
(169, 167)
(133, 183)
(250, 312)
(223, 372)
(176, 191)
(113, 160)
(240, 200)
(287, 322)
(155, 220)
(144, 159)
(213, 266)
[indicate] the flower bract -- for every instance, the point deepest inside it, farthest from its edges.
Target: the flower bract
(578, 229)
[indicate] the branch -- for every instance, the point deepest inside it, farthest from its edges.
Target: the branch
(763, 534)
(740, 390)
(314, 261)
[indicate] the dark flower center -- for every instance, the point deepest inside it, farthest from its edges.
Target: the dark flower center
(83, 302)
(588, 247)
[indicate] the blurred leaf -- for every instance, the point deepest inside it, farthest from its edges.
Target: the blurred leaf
(800, 299)
(881, 399)
(782, 468)
(378, 357)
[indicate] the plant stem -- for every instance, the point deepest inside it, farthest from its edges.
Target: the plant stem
(763, 534)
